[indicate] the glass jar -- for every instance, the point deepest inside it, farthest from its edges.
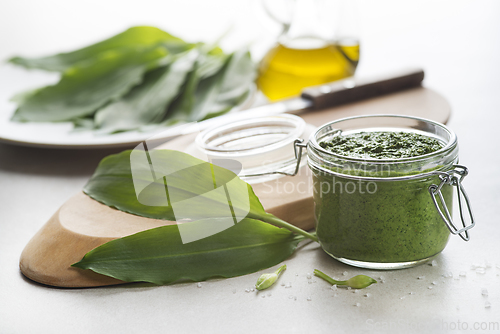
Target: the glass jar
(370, 213)
(386, 213)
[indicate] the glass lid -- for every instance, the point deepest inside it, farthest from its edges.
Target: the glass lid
(260, 144)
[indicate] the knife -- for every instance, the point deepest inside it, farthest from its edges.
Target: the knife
(319, 97)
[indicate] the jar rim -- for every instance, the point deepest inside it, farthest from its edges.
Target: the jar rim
(450, 145)
(295, 124)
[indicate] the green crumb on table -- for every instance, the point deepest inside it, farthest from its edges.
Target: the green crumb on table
(382, 145)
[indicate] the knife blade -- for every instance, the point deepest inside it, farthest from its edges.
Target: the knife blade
(319, 97)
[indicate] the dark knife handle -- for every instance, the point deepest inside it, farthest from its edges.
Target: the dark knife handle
(354, 89)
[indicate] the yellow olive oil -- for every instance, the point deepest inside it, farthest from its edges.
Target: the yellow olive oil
(285, 71)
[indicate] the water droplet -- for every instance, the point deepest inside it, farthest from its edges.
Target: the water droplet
(434, 283)
(430, 287)
(309, 276)
(309, 299)
(402, 297)
(335, 295)
(462, 274)
(421, 277)
(252, 290)
(294, 298)
(497, 265)
(234, 291)
(382, 278)
(345, 273)
(356, 291)
(282, 284)
(349, 288)
(412, 293)
(247, 290)
(288, 285)
(449, 274)
(480, 271)
(290, 297)
(357, 304)
(263, 296)
(382, 281)
(334, 287)
(487, 304)
(368, 295)
(198, 285)
(434, 263)
(484, 292)
(269, 294)
(310, 282)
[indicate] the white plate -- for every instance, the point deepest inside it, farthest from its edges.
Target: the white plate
(60, 135)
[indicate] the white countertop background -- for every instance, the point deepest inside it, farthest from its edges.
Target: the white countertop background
(458, 45)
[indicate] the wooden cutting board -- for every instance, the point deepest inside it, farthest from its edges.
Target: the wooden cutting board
(83, 224)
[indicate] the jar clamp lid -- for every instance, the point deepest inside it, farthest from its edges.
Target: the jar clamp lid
(453, 177)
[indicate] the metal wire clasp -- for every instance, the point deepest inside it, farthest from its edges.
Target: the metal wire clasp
(298, 146)
(453, 177)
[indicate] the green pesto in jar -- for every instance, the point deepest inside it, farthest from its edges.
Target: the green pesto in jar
(382, 145)
(380, 221)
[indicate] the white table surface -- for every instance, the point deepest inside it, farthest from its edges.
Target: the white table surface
(458, 44)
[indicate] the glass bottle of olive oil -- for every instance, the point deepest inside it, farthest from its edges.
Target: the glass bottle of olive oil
(306, 54)
(285, 71)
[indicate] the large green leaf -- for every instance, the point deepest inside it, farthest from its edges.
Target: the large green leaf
(147, 103)
(159, 256)
(133, 37)
(207, 65)
(172, 185)
(220, 92)
(88, 86)
(129, 182)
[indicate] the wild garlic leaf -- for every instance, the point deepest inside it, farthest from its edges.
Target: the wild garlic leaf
(88, 86)
(83, 124)
(172, 185)
(142, 36)
(239, 72)
(182, 107)
(210, 64)
(147, 103)
(225, 89)
(118, 176)
(159, 256)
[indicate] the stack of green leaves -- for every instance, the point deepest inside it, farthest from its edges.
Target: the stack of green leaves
(140, 77)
